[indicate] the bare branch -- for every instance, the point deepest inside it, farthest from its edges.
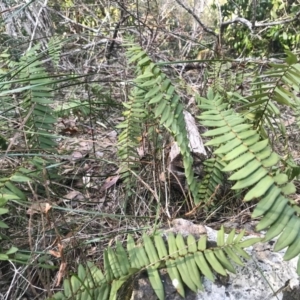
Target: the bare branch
(279, 22)
(238, 20)
(259, 24)
(206, 29)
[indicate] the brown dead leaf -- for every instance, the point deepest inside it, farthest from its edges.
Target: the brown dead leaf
(110, 181)
(37, 208)
(66, 171)
(59, 253)
(186, 227)
(99, 154)
(86, 180)
(141, 151)
(113, 134)
(63, 265)
(77, 155)
(54, 253)
(162, 177)
(72, 195)
(85, 146)
(61, 273)
(92, 251)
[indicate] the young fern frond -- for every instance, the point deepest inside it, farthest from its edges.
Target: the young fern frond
(185, 261)
(153, 98)
(250, 161)
(272, 88)
(37, 101)
(128, 138)
(54, 48)
(213, 179)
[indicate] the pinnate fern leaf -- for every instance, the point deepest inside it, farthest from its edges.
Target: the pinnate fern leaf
(38, 100)
(212, 180)
(153, 99)
(250, 161)
(186, 261)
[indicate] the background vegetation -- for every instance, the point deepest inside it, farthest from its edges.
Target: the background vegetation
(66, 83)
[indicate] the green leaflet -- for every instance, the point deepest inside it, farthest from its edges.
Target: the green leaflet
(249, 242)
(228, 146)
(166, 114)
(221, 237)
(156, 283)
(193, 271)
(280, 223)
(239, 162)
(251, 179)
(248, 169)
(289, 234)
(236, 152)
(185, 274)
(175, 277)
(156, 99)
(233, 256)
(19, 178)
(293, 249)
(260, 188)
(289, 188)
(218, 131)
(222, 139)
(214, 263)
(273, 213)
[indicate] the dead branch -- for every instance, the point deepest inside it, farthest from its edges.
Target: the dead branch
(259, 24)
(206, 29)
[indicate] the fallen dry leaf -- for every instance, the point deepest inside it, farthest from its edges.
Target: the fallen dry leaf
(86, 180)
(72, 195)
(113, 134)
(92, 251)
(110, 181)
(77, 155)
(61, 273)
(54, 253)
(62, 268)
(85, 146)
(141, 151)
(37, 208)
(162, 177)
(186, 227)
(66, 171)
(58, 253)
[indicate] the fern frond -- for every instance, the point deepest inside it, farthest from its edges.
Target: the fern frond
(250, 162)
(212, 180)
(155, 91)
(128, 140)
(54, 48)
(37, 101)
(185, 261)
(276, 86)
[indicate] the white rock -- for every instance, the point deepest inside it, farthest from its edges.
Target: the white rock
(266, 276)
